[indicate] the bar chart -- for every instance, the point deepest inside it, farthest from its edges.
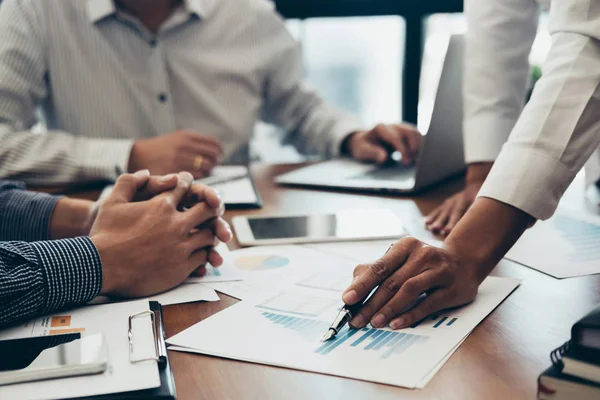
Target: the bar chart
(212, 271)
(385, 343)
(583, 235)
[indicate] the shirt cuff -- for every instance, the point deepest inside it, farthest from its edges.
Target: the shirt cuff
(72, 270)
(106, 158)
(341, 130)
(484, 136)
(25, 215)
(528, 180)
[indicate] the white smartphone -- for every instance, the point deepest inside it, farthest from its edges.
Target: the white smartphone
(51, 357)
(347, 225)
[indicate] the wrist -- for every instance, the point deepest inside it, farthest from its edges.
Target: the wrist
(132, 164)
(71, 218)
(345, 147)
(478, 172)
(109, 280)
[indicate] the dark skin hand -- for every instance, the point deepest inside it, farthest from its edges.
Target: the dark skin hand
(449, 276)
(444, 218)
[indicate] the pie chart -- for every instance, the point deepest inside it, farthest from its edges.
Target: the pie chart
(261, 262)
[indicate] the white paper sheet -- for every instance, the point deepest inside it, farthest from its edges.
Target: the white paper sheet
(284, 330)
(112, 320)
(267, 269)
(185, 293)
(564, 246)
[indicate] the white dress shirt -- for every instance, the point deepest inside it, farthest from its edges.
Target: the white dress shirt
(103, 80)
(559, 129)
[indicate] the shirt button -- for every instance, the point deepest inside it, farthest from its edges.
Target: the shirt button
(162, 97)
(153, 43)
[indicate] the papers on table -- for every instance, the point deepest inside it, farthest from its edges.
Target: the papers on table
(566, 245)
(185, 293)
(283, 329)
(268, 269)
(112, 321)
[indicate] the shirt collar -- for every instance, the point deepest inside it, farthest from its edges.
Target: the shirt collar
(100, 9)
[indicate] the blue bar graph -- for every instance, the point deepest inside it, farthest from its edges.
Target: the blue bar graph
(583, 235)
(441, 321)
(385, 343)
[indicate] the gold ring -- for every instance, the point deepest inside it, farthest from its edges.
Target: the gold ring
(198, 162)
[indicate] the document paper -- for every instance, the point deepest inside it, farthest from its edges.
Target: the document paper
(566, 245)
(284, 330)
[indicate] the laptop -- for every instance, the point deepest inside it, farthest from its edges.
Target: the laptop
(441, 156)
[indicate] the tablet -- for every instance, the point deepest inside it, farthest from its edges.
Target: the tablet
(347, 225)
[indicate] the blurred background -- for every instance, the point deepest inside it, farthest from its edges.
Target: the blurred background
(367, 63)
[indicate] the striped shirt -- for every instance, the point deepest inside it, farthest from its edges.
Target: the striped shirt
(102, 80)
(37, 275)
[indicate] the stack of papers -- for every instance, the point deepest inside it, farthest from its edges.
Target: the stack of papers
(292, 293)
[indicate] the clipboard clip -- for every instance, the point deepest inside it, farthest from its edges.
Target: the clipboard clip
(157, 357)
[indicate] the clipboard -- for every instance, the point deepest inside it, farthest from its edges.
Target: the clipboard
(166, 390)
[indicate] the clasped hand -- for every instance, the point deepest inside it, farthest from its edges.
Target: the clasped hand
(153, 233)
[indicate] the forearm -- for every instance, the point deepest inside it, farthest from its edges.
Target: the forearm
(58, 157)
(71, 218)
(42, 277)
(485, 234)
(24, 215)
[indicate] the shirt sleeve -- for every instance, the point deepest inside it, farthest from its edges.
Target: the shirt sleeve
(559, 128)
(312, 125)
(498, 44)
(42, 277)
(24, 215)
(55, 156)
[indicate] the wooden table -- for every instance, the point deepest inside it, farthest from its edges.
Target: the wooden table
(501, 359)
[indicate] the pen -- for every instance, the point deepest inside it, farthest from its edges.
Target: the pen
(344, 316)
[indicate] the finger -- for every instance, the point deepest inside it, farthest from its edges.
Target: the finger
(408, 295)
(384, 293)
(455, 215)
(379, 271)
(214, 258)
(368, 151)
(202, 193)
(197, 259)
(200, 271)
(174, 197)
(413, 138)
(200, 215)
(207, 165)
(434, 302)
(208, 141)
(395, 139)
(222, 230)
(127, 186)
(200, 239)
(155, 186)
(442, 218)
(433, 215)
(209, 151)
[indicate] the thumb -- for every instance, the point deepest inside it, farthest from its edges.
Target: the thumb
(369, 151)
(127, 186)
